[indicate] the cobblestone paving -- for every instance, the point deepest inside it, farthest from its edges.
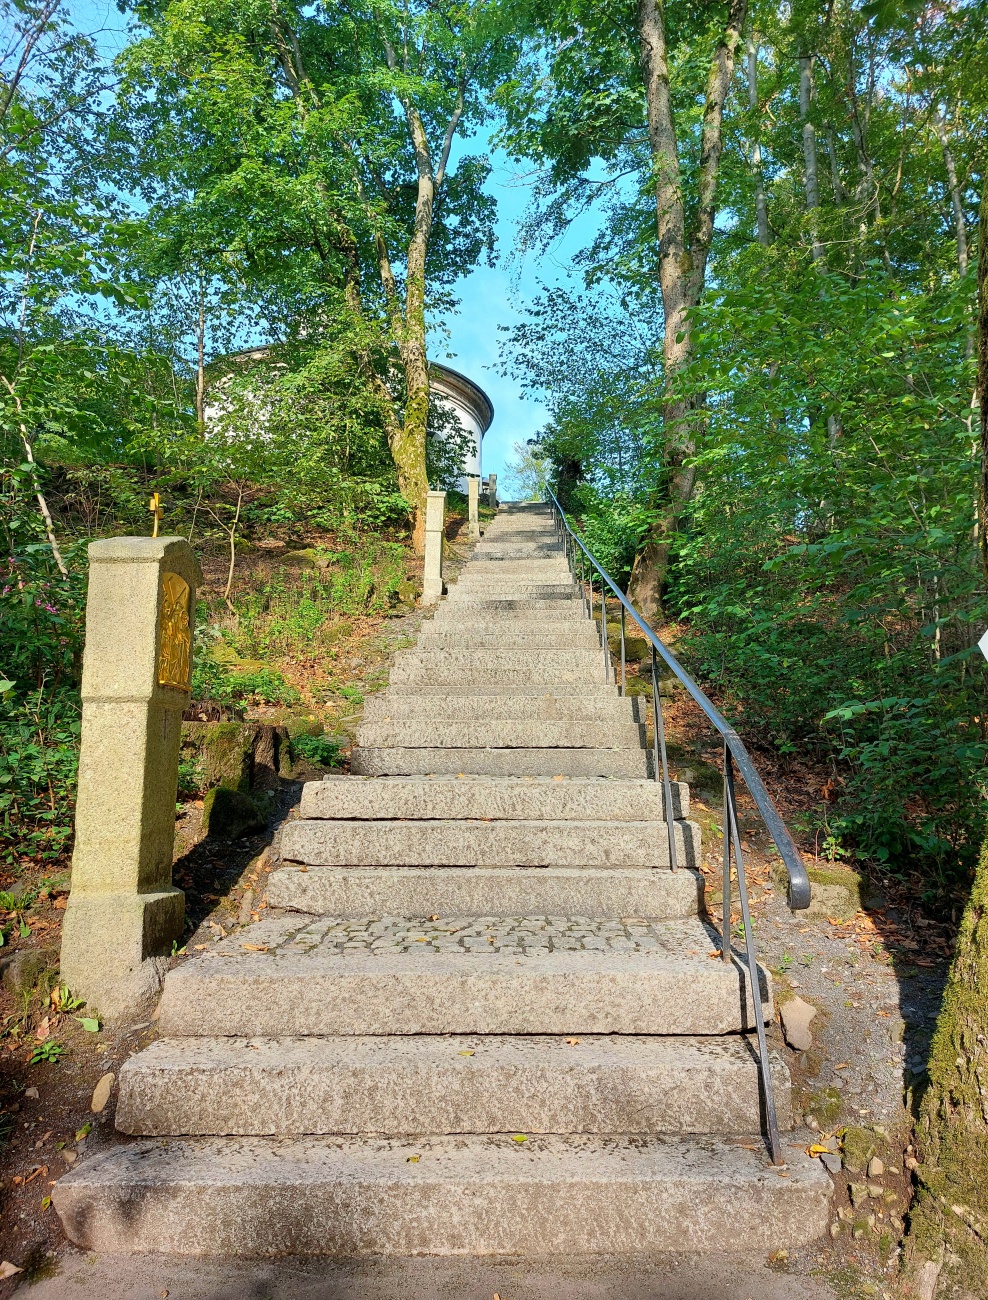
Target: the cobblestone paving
(528, 935)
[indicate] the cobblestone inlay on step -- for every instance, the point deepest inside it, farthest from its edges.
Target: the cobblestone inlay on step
(687, 938)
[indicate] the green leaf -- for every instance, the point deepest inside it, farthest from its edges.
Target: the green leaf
(89, 1023)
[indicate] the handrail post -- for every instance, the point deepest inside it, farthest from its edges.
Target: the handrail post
(624, 690)
(731, 817)
(660, 752)
(603, 632)
(726, 918)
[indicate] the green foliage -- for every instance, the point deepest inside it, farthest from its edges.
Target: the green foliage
(48, 1053)
(825, 573)
(830, 574)
(320, 751)
(210, 681)
(293, 610)
(40, 646)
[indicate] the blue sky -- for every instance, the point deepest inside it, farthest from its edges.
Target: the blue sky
(494, 296)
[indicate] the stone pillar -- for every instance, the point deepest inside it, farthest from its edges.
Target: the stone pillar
(473, 492)
(435, 518)
(123, 914)
(492, 491)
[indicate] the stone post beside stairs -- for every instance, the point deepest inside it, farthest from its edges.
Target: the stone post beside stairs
(123, 914)
(492, 491)
(473, 494)
(435, 519)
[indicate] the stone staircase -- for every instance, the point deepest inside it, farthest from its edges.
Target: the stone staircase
(483, 1017)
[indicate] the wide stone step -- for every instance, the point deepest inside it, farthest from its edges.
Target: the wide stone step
(517, 843)
(399, 1087)
(572, 1195)
(514, 688)
(564, 605)
(498, 656)
(469, 614)
(480, 639)
(631, 763)
(513, 589)
(598, 893)
(438, 671)
(405, 976)
(390, 706)
(498, 675)
(522, 798)
(503, 735)
(507, 585)
(569, 616)
(541, 565)
(508, 552)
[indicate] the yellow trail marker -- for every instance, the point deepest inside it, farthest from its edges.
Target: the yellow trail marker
(154, 505)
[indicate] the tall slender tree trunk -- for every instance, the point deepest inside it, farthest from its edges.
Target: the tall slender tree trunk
(811, 188)
(411, 448)
(949, 1221)
(960, 228)
(682, 270)
(761, 204)
(201, 356)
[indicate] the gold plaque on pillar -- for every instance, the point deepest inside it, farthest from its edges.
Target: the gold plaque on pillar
(175, 637)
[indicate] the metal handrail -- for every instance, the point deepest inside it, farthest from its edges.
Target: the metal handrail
(584, 566)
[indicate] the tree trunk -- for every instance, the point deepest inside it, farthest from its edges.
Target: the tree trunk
(949, 1219)
(411, 457)
(811, 188)
(682, 269)
(201, 357)
(761, 205)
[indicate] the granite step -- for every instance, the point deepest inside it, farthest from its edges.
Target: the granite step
(288, 977)
(525, 799)
(446, 636)
(563, 605)
(516, 688)
(494, 656)
(573, 1195)
(388, 706)
(514, 589)
(501, 671)
(517, 563)
(622, 763)
(597, 893)
(398, 1087)
(502, 734)
(501, 843)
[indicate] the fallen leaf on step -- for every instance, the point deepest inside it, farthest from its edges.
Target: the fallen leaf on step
(434, 917)
(817, 1150)
(466, 1053)
(255, 947)
(41, 1033)
(41, 1169)
(520, 1137)
(412, 1160)
(843, 1065)
(200, 947)
(716, 953)
(7, 1269)
(572, 1042)
(303, 868)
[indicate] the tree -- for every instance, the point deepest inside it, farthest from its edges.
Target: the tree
(319, 151)
(650, 77)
